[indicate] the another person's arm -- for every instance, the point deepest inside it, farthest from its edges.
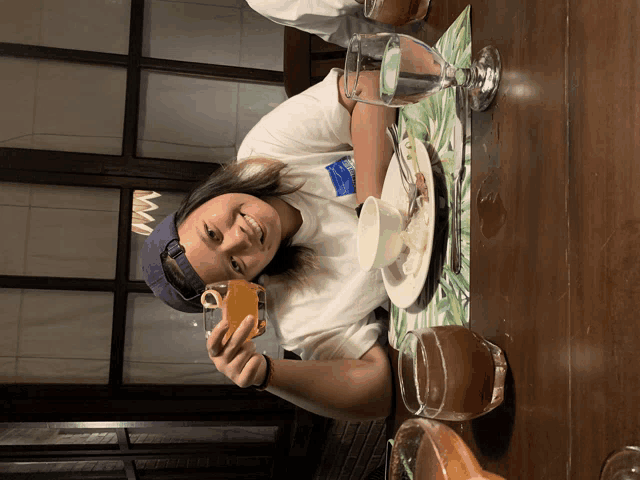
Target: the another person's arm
(354, 390)
(371, 148)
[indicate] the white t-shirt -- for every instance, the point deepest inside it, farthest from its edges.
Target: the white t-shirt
(332, 20)
(333, 317)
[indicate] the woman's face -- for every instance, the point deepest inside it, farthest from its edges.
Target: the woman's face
(233, 236)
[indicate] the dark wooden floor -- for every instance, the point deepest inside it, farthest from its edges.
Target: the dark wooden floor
(556, 231)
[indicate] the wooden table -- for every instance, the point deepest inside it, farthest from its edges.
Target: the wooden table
(557, 284)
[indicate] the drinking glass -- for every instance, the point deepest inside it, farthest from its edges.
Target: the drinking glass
(450, 373)
(428, 450)
(396, 12)
(234, 299)
(394, 70)
(623, 464)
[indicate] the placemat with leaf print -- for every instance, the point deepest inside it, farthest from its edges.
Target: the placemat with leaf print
(433, 120)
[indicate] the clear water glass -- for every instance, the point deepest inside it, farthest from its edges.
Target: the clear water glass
(395, 70)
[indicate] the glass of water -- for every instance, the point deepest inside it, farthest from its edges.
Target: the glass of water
(395, 70)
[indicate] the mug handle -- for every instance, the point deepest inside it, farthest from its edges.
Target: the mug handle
(387, 458)
(206, 304)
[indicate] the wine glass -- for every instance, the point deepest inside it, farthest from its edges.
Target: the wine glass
(623, 464)
(394, 70)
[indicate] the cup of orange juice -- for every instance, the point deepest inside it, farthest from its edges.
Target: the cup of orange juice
(234, 300)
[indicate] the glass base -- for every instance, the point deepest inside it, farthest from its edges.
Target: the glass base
(500, 365)
(487, 69)
(623, 464)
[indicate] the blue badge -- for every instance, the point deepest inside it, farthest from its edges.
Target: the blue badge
(343, 176)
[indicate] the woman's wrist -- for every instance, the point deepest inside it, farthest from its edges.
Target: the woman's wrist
(267, 368)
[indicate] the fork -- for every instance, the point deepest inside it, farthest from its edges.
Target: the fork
(405, 172)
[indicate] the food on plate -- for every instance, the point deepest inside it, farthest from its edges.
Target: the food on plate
(421, 184)
(415, 236)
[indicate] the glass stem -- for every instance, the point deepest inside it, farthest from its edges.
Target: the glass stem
(470, 76)
(460, 77)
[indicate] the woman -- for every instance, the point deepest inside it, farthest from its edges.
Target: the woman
(286, 213)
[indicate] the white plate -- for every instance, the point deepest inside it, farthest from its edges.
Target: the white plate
(404, 289)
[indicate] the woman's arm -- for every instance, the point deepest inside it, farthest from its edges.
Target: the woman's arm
(354, 390)
(371, 148)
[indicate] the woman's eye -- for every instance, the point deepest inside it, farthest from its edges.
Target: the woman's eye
(235, 266)
(210, 234)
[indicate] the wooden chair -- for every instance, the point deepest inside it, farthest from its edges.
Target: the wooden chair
(308, 59)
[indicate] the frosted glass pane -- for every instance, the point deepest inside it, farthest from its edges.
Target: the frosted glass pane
(221, 32)
(14, 193)
(10, 299)
(254, 102)
(60, 231)
(163, 345)
(193, 32)
(80, 198)
(93, 25)
(14, 242)
(72, 243)
(61, 106)
(18, 80)
(187, 118)
(64, 337)
(262, 42)
(20, 22)
(72, 234)
(8, 369)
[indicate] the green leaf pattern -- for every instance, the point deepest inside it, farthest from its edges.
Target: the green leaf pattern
(433, 120)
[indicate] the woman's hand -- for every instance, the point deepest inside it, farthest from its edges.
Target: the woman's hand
(237, 359)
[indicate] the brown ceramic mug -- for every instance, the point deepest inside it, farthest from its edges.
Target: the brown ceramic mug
(396, 12)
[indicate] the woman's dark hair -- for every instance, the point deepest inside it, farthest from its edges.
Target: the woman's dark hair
(261, 178)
